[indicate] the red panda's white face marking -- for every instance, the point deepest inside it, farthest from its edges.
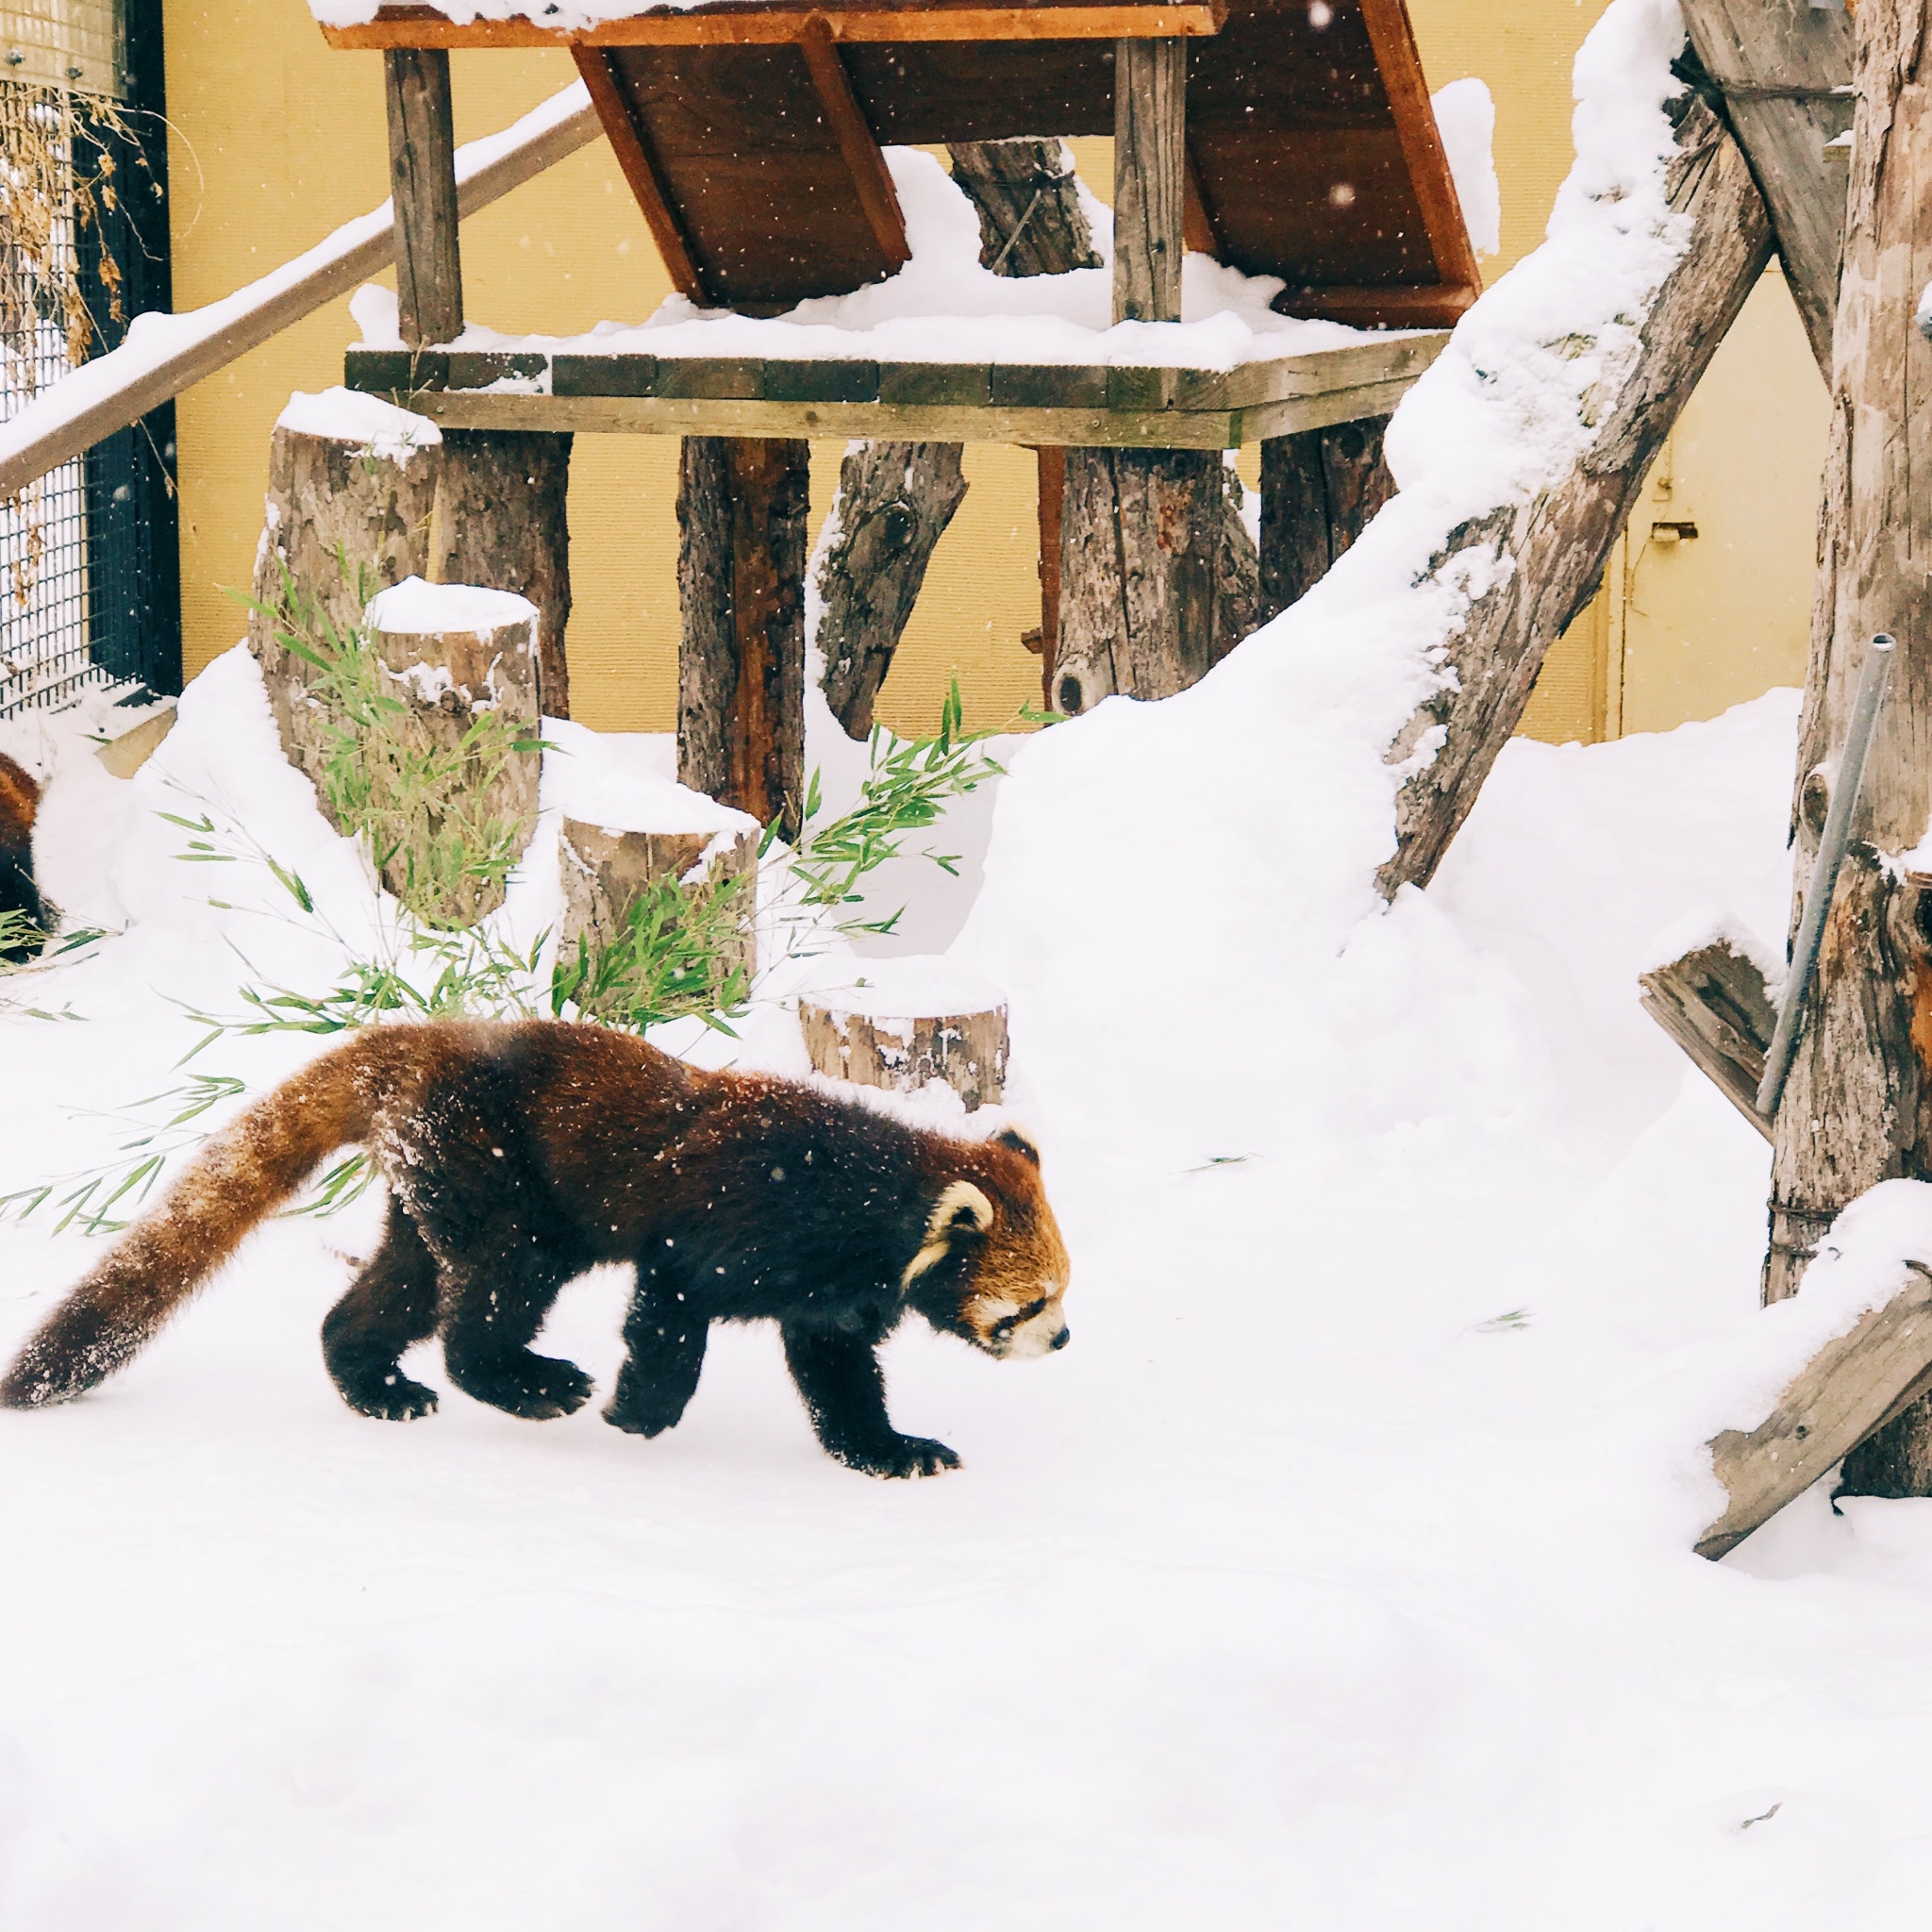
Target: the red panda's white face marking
(1014, 1270)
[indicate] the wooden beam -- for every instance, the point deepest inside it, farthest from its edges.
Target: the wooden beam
(856, 142)
(631, 147)
(751, 26)
(1150, 93)
(1713, 1003)
(1198, 227)
(1393, 41)
(1051, 471)
(1372, 307)
(1851, 1388)
(1785, 72)
(119, 389)
(422, 185)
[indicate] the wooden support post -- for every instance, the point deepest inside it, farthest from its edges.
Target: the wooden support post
(1027, 197)
(1857, 1109)
(740, 578)
(502, 519)
(1318, 490)
(1558, 545)
(895, 500)
(1150, 160)
(422, 180)
(1784, 68)
(1052, 466)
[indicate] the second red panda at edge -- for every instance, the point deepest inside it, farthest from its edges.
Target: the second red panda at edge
(519, 1156)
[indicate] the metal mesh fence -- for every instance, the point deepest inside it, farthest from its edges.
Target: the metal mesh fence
(45, 619)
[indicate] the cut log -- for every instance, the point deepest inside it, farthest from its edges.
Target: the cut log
(1857, 1107)
(1557, 545)
(1847, 1395)
(908, 1023)
(895, 499)
(1319, 491)
(608, 871)
(1158, 577)
(740, 665)
(503, 520)
(894, 502)
(1712, 1001)
(457, 658)
(1784, 68)
(422, 183)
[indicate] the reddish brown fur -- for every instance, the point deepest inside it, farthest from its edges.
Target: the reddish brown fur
(517, 1157)
(20, 802)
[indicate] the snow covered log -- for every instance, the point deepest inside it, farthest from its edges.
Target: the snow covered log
(908, 1023)
(1784, 68)
(1529, 568)
(1712, 1001)
(607, 871)
(457, 656)
(740, 661)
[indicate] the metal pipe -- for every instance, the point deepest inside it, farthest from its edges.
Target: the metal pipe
(1832, 845)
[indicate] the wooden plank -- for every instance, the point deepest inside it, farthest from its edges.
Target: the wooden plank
(1393, 41)
(948, 385)
(1785, 69)
(1377, 308)
(743, 26)
(594, 376)
(1150, 93)
(422, 185)
(1854, 1386)
(1197, 219)
(479, 368)
(396, 372)
(1049, 385)
(717, 377)
(1713, 1003)
(1292, 414)
(58, 426)
(870, 176)
(641, 171)
(856, 381)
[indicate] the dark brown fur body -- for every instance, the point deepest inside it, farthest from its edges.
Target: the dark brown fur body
(519, 1156)
(20, 799)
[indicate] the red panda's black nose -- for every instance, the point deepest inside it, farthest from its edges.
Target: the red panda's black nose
(1060, 1340)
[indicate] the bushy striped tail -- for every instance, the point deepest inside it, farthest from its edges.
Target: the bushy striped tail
(239, 1178)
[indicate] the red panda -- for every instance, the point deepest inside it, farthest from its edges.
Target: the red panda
(20, 799)
(518, 1156)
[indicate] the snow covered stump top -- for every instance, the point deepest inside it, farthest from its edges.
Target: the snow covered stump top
(907, 1023)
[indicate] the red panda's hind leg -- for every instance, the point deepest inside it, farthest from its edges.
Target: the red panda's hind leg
(391, 1305)
(491, 1310)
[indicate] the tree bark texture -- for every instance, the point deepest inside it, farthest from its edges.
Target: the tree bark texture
(740, 578)
(1150, 164)
(1158, 577)
(1857, 1109)
(895, 500)
(1318, 490)
(1557, 544)
(1713, 1003)
(503, 520)
(1027, 198)
(1776, 63)
(966, 1052)
(423, 181)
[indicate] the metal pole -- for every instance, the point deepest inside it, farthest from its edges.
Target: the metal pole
(1831, 852)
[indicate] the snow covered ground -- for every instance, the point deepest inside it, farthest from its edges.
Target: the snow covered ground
(1339, 1575)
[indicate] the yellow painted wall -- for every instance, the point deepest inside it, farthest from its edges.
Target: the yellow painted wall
(277, 140)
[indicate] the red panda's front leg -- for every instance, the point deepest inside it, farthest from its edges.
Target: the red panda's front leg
(844, 1393)
(664, 1338)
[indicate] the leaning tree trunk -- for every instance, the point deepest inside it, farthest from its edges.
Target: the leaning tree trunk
(895, 499)
(1857, 1109)
(1557, 545)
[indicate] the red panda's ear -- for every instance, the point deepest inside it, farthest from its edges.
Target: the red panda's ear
(1014, 1138)
(961, 1210)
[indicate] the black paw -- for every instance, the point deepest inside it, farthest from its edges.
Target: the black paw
(635, 1420)
(538, 1387)
(392, 1399)
(900, 1455)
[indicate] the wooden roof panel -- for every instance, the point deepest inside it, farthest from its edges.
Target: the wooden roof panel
(1312, 145)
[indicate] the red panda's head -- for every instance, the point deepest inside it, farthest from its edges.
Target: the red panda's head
(992, 1268)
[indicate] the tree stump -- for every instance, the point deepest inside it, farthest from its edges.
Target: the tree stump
(907, 1023)
(740, 666)
(1027, 197)
(455, 656)
(895, 500)
(1319, 489)
(608, 871)
(1157, 574)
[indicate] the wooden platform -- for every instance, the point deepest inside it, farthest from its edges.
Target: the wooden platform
(751, 133)
(1070, 405)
